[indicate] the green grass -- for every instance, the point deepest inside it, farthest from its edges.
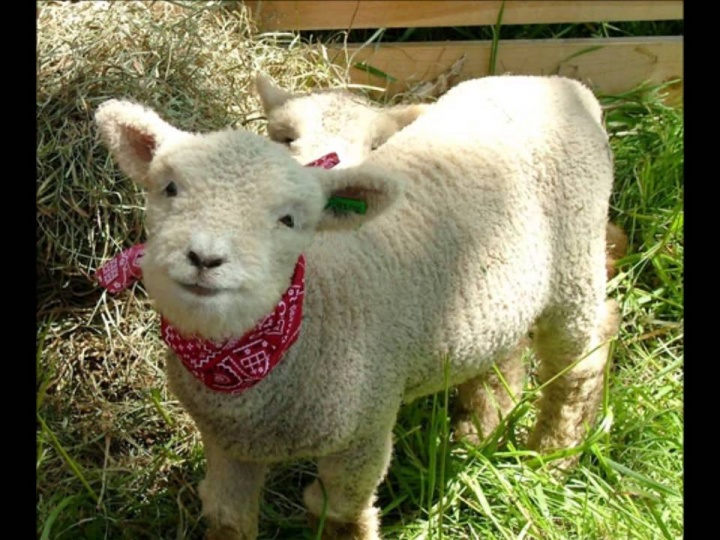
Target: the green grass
(117, 458)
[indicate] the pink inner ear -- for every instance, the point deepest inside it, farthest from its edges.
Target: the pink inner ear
(142, 144)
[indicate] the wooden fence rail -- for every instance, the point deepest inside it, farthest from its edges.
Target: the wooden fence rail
(331, 15)
(609, 65)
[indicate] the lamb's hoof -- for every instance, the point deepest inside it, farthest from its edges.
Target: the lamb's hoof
(564, 466)
(367, 527)
(559, 468)
(464, 429)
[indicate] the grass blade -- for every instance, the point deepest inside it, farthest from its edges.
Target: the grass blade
(47, 527)
(68, 460)
(496, 40)
(586, 50)
(657, 486)
(362, 66)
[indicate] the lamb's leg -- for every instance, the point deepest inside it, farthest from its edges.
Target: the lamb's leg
(485, 400)
(569, 404)
(616, 246)
(230, 495)
(350, 479)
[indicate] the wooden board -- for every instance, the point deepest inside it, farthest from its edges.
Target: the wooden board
(342, 15)
(609, 66)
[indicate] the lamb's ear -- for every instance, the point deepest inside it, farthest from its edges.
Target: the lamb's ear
(356, 195)
(133, 134)
(394, 119)
(271, 96)
(404, 115)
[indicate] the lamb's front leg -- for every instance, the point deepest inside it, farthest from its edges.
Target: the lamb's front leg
(230, 495)
(350, 479)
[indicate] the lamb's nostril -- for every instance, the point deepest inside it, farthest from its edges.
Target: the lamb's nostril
(200, 263)
(195, 259)
(213, 263)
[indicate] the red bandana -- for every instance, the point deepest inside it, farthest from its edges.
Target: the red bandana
(121, 271)
(239, 363)
(236, 364)
(326, 162)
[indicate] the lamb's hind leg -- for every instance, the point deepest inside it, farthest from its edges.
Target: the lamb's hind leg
(485, 400)
(230, 495)
(569, 404)
(350, 479)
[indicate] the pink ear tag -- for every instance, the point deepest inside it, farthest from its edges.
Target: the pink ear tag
(122, 270)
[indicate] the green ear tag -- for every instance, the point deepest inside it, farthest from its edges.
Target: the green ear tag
(341, 205)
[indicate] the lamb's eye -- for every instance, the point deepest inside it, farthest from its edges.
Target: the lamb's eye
(287, 221)
(171, 189)
(287, 141)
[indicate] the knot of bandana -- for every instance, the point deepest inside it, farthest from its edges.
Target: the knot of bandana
(121, 271)
(326, 162)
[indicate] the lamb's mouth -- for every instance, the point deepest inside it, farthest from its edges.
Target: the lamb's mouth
(199, 290)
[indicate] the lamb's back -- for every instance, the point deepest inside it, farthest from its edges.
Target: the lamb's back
(497, 174)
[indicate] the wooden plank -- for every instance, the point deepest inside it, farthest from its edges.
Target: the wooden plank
(609, 66)
(329, 15)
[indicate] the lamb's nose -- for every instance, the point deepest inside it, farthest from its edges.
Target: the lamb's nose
(204, 262)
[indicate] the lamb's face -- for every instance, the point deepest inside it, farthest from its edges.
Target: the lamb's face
(228, 214)
(225, 228)
(315, 124)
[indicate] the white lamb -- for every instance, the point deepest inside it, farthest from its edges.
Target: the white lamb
(483, 218)
(323, 121)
